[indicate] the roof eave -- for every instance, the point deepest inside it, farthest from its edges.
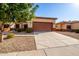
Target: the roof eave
(47, 18)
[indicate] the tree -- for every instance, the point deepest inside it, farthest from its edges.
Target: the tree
(22, 12)
(16, 12)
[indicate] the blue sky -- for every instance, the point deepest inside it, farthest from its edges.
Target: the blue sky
(64, 12)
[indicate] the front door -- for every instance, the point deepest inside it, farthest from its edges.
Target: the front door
(25, 26)
(68, 27)
(17, 26)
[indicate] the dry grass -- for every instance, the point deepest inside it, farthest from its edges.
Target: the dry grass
(18, 44)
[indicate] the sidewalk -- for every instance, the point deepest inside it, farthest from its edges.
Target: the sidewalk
(72, 50)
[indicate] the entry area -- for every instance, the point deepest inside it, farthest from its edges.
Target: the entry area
(42, 26)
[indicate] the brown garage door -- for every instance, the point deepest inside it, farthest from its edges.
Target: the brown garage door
(42, 26)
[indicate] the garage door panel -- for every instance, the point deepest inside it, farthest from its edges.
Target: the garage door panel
(42, 26)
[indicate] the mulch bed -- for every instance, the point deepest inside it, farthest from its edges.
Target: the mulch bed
(25, 43)
(71, 34)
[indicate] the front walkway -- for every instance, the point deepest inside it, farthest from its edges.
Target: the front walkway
(50, 44)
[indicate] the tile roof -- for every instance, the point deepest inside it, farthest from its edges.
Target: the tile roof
(43, 19)
(75, 22)
(47, 18)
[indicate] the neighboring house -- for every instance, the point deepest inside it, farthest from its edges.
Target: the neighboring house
(63, 26)
(75, 25)
(67, 25)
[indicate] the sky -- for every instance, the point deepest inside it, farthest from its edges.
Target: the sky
(62, 11)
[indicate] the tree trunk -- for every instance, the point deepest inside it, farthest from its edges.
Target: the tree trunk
(1, 37)
(1, 34)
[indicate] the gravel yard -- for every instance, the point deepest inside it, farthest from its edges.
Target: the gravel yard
(71, 34)
(18, 43)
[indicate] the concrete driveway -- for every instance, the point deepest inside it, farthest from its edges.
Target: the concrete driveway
(53, 39)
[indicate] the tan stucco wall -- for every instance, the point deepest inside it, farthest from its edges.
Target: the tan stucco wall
(53, 25)
(58, 26)
(75, 25)
(30, 23)
(12, 25)
(61, 27)
(64, 26)
(44, 20)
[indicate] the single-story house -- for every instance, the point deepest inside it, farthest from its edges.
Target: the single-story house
(37, 24)
(63, 26)
(73, 25)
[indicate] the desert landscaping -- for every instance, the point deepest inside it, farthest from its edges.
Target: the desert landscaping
(18, 43)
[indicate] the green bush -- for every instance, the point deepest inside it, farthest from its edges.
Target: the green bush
(10, 35)
(19, 30)
(12, 29)
(16, 29)
(77, 30)
(0, 37)
(24, 29)
(28, 30)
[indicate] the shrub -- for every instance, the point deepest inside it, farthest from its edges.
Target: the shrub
(12, 29)
(19, 30)
(24, 29)
(10, 35)
(16, 29)
(77, 30)
(29, 30)
(0, 37)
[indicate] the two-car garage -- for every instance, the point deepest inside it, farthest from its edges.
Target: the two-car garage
(43, 24)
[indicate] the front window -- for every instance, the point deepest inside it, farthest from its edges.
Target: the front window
(17, 25)
(25, 26)
(6, 25)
